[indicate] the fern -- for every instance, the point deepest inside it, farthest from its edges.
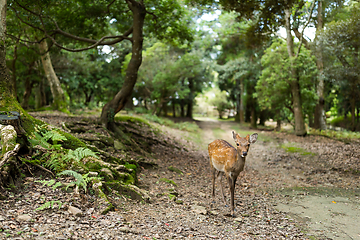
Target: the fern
(39, 140)
(49, 204)
(79, 153)
(55, 162)
(50, 183)
(54, 136)
(80, 182)
(88, 179)
(58, 184)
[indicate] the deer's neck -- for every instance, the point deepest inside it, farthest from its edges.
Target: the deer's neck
(240, 161)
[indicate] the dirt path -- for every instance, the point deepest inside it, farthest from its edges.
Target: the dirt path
(280, 195)
(322, 210)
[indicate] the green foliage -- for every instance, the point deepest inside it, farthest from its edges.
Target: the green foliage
(78, 154)
(341, 135)
(39, 140)
(340, 45)
(273, 90)
(127, 118)
(130, 166)
(49, 204)
(51, 183)
(292, 149)
(80, 181)
(219, 100)
(186, 126)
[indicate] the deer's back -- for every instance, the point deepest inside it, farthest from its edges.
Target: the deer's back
(221, 153)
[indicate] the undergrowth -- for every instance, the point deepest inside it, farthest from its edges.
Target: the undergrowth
(341, 135)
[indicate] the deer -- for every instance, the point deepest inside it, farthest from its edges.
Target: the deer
(228, 160)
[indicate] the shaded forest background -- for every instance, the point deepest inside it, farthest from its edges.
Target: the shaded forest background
(252, 61)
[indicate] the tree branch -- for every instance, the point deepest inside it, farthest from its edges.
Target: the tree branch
(9, 154)
(95, 43)
(298, 35)
(307, 23)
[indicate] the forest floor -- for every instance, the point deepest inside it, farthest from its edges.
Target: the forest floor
(291, 188)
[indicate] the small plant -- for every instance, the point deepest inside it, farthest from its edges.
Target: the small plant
(301, 151)
(54, 136)
(79, 153)
(51, 183)
(49, 204)
(80, 182)
(167, 181)
(174, 169)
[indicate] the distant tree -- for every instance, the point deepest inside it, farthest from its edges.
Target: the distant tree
(220, 101)
(273, 90)
(341, 43)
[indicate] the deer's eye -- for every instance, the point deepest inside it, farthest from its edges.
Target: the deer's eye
(237, 144)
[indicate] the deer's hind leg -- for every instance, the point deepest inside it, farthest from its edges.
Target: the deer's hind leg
(219, 177)
(213, 172)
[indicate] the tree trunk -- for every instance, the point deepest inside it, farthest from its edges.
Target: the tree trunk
(40, 96)
(6, 85)
(319, 117)
(13, 69)
(173, 108)
(8, 102)
(190, 104)
(182, 110)
(278, 125)
(59, 102)
(300, 129)
(164, 108)
(120, 99)
(28, 89)
(353, 125)
(237, 96)
(241, 101)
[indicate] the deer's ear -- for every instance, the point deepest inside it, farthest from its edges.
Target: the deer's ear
(234, 135)
(253, 138)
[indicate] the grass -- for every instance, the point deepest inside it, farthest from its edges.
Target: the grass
(341, 135)
(301, 151)
(186, 126)
(127, 118)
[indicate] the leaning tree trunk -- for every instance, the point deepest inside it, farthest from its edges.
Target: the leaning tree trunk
(300, 129)
(8, 102)
(319, 118)
(120, 99)
(59, 102)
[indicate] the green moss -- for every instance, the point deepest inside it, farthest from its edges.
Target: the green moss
(127, 190)
(174, 169)
(93, 166)
(131, 166)
(126, 118)
(172, 197)
(167, 181)
(292, 149)
(71, 142)
(109, 208)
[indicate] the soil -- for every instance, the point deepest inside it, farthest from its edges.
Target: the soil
(291, 188)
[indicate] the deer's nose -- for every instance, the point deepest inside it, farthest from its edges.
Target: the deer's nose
(244, 153)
